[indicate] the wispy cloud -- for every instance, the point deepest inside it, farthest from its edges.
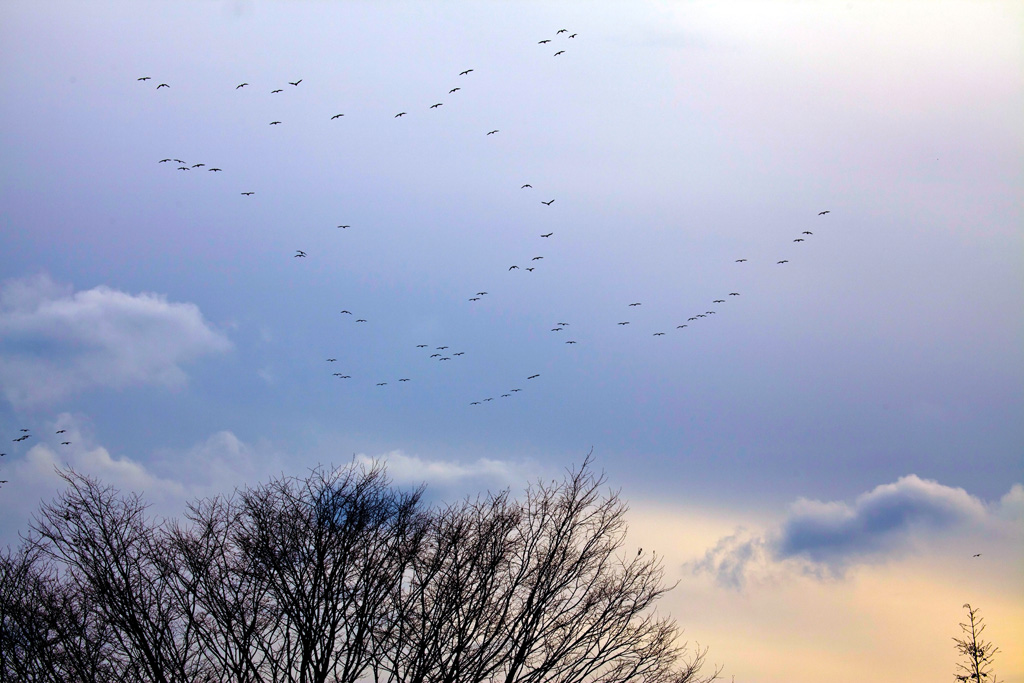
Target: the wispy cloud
(824, 539)
(55, 342)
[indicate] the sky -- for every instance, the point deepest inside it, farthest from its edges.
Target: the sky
(817, 461)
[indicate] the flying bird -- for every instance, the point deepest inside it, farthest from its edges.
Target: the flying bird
(459, 353)
(549, 203)
(548, 235)
(248, 194)
(536, 258)
(718, 301)
(404, 379)
(513, 267)
(441, 348)
(60, 431)
(679, 327)
(184, 168)
(331, 360)
(65, 443)
(349, 312)
(625, 323)
(361, 320)
(822, 213)
(659, 334)
(216, 169)
(421, 346)
(241, 85)
(380, 384)
(474, 298)
(570, 342)
(525, 186)
(573, 35)
(541, 42)
(295, 83)
(144, 78)
(164, 161)
(740, 260)
(799, 239)
(274, 123)
(533, 377)
(515, 390)
(344, 226)
(492, 132)
(299, 254)
(636, 304)
(977, 555)
(435, 106)
(561, 30)
(783, 261)
(276, 91)
(465, 72)
(162, 85)
(453, 90)
(560, 52)
(198, 165)
(336, 116)
(481, 293)
(807, 232)
(734, 293)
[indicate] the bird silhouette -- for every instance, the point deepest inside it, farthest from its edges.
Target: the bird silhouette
(549, 203)
(481, 293)
(533, 376)
(475, 403)
(636, 304)
(216, 170)
(65, 443)
(536, 258)
(740, 260)
(807, 232)
(718, 301)
(60, 431)
(162, 85)
(295, 83)
(241, 85)
(625, 323)
(401, 113)
(274, 123)
(164, 161)
(404, 379)
(381, 384)
(349, 312)
(453, 90)
(459, 353)
(679, 327)
(276, 91)
(822, 213)
(492, 132)
(300, 254)
(570, 342)
(573, 35)
(560, 52)
(344, 226)
(361, 320)
(336, 116)
(198, 165)
(474, 298)
(248, 194)
(977, 555)
(783, 261)
(734, 293)
(465, 72)
(513, 267)
(435, 106)
(548, 235)
(421, 346)
(144, 78)
(561, 30)
(541, 42)
(331, 360)
(525, 186)
(799, 239)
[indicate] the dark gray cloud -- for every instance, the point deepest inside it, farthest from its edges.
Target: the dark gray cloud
(825, 539)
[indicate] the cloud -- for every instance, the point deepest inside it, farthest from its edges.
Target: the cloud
(447, 479)
(824, 539)
(55, 342)
(166, 480)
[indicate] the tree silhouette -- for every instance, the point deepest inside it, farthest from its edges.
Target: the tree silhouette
(341, 577)
(977, 653)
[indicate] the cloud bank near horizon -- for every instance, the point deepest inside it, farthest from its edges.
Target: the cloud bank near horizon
(825, 539)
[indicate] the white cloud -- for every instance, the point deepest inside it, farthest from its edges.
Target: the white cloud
(166, 481)
(824, 539)
(449, 475)
(55, 342)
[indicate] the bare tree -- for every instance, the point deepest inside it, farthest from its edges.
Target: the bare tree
(977, 653)
(535, 590)
(338, 577)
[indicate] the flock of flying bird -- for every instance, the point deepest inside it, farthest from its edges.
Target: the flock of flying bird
(441, 353)
(534, 262)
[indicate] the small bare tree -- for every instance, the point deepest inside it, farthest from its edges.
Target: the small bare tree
(977, 653)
